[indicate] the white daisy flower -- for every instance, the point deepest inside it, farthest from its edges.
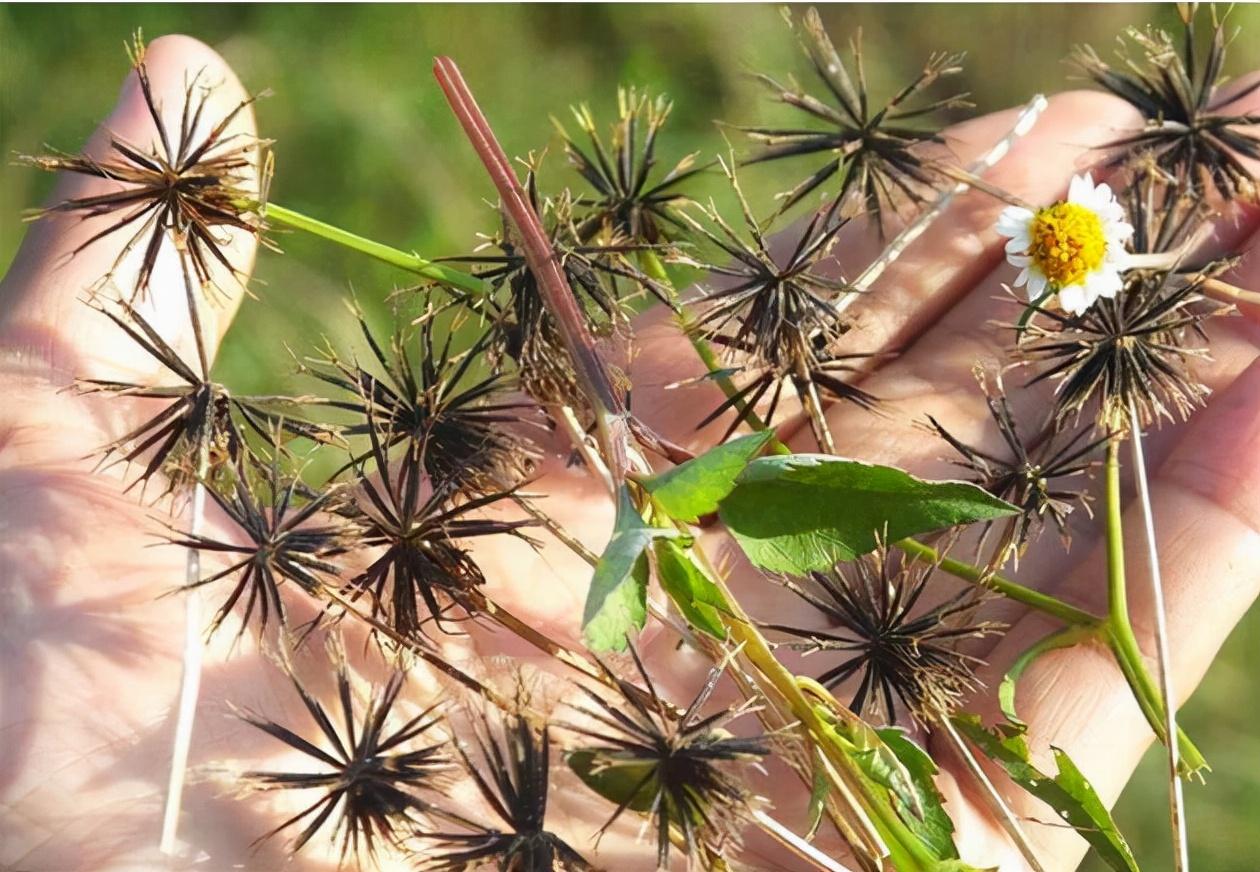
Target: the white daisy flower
(1073, 248)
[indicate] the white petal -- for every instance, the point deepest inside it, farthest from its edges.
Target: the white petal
(1074, 299)
(1081, 189)
(1104, 283)
(1122, 229)
(1018, 259)
(1014, 219)
(1017, 246)
(1090, 200)
(1110, 212)
(1036, 283)
(1021, 279)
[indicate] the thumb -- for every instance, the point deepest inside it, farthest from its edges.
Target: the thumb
(72, 253)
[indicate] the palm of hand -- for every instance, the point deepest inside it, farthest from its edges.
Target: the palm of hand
(92, 651)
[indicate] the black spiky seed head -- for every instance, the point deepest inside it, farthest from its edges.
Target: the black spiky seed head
(439, 403)
(826, 370)
(600, 272)
(510, 766)
(368, 774)
(1035, 472)
(1134, 352)
(1167, 214)
(771, 309)
(872, 150)
(628, 203)
(421, 526)
(1175, 90)
(283, 532)
(184, 189)
(195, 411)
(774, 314)
(681, 770)
(904, 655)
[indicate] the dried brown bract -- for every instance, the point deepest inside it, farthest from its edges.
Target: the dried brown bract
(1176, 92)
(368, 781)
(184, 190)
(905, 654)
(628, 203)
(681, 769)
(871, 149)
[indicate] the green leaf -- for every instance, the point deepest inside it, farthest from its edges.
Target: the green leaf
(617, 784)
(908, 788)
(616, 605)
(698, 598)
(804, 512)
(1068, 792)
(1107, 840)
(695, 488)
(926, 816)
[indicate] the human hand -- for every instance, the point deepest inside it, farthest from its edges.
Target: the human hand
(92, 651)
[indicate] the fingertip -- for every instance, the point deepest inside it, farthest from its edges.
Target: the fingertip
(177, 65)
(175, 59)
(59, 263)
(183, 68)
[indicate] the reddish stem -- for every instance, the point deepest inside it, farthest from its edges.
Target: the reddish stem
(545, 265)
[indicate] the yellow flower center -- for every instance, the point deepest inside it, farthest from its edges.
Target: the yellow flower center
(1067, 243)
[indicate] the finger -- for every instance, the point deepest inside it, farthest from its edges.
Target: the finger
(1206, 501)
(44, 321)
(935, 271)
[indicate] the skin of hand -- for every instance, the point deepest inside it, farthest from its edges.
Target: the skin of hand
(91, 649)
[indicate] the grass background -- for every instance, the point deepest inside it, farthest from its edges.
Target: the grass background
(365, 140)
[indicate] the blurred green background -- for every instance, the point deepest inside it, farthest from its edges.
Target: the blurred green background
(364, 140)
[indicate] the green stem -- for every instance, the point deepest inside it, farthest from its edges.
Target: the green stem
(1117, 596)
(1066, 637)
(1128, 656)
(656, 270)
(1000, 584)
(1031, 310)
(1119, 634)
(454, 279)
